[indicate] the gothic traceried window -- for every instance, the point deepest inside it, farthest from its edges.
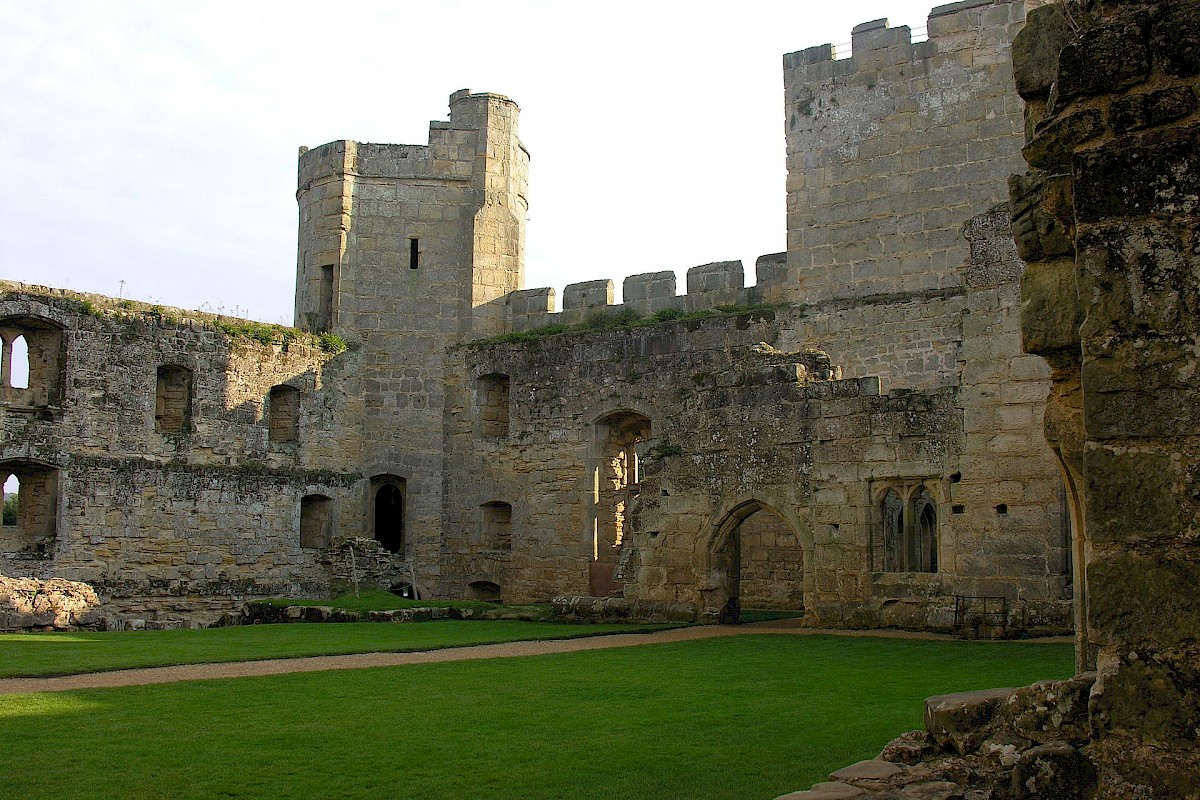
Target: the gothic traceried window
(906, 539)
(923, 553)
(893, 532)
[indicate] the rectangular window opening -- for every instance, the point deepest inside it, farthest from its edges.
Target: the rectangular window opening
(414, 253)
(325, 301)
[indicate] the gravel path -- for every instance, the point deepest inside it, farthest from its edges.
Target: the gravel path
(280, 666)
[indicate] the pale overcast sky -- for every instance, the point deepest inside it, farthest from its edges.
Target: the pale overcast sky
(155, 142)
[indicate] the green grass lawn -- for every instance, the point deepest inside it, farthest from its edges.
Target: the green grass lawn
(740, 717)
(32, 654)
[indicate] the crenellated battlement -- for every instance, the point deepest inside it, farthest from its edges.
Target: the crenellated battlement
(891, 149)
(969, 27)
(709, 286)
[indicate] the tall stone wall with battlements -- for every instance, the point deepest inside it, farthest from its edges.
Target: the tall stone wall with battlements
(901, 267)
(858, 439)
(890, 150)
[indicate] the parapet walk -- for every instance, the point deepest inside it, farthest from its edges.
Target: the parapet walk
(709, 286)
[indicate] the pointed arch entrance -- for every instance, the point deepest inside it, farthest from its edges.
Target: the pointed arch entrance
(756, 560)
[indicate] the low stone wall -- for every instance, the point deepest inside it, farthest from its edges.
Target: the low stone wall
(28, 603)
(619, 609)
(1000, 744)
(259, 613)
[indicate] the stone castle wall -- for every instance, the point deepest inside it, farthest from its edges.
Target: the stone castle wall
(738, 438)
(390, 239)
(211, 508)
(923, 295)
(1109, 218)
(732, 442)
(889, 151)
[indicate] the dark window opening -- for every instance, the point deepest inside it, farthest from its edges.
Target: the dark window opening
(325, 301)
(484, 590)
(1002, 509)
(31, 358)
(173, 399)
(316, 520)
(30, 509)
(907, 538)
(388, 513)
(958, 509)
(414, 253)
(893, 532)
(923, 539)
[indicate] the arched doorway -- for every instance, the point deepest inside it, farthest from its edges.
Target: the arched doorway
(756, 561)
(387, 512)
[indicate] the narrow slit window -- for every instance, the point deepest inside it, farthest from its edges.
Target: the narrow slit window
(414, 253)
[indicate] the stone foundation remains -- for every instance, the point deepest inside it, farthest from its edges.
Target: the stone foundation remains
(26, 604)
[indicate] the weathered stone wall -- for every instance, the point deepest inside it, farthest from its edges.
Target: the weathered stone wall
(212, 509)
(404, 250)
(889, 151)
(737, 440)
(1109, 219)
(674, 463)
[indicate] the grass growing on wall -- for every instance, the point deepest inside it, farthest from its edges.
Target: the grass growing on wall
(33, 654)
(738, 717)
(627, 318)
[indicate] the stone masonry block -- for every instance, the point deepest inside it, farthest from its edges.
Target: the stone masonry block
(649, 292)
(1156, 173)
(531, 301)
(771, 270)
(716, 277)
(957, 720)
(588, 294)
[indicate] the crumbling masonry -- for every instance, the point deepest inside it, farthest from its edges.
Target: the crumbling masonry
(858, 434)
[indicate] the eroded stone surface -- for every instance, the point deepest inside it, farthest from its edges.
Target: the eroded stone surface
(870, 770)
(57, 603)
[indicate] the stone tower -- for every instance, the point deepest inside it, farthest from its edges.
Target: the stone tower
(404, 250)
(415, 239)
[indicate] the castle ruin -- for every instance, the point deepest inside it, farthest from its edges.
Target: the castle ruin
(858, 434)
